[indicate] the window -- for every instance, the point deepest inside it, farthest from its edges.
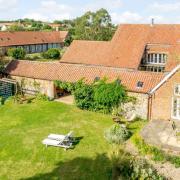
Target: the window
(177, 90)
(176, 103)
(118, 81)
(140, 84)
(96, 79)
(176, 108)
(156, 58)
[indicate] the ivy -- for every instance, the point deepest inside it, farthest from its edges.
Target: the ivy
(98, 96)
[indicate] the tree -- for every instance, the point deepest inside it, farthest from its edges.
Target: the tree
(16, 27)
(46, 27)
(94, 26)
(16, 53)
(51, 54)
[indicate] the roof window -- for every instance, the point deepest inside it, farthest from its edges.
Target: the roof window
(118, 81)
(140, 84)
(96, 79)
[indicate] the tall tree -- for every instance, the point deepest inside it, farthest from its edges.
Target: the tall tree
(94, 26)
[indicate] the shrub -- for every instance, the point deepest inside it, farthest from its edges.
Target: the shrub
(2, 100)
(109, 95)
(99, 96)
(16, 53)
(84, 97)
(51, 54)
(33, 57)
(126, 166)
(117, 134)
(156, 154)
(42, 97)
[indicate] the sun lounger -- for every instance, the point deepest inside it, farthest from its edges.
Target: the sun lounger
(62, 143)
(60, 137)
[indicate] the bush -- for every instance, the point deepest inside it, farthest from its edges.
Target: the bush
(109, 95)
(16, 53)
(51, 54)
(156, 154)
(2, 100)
(84, 97)
(99, 96)
(33, 56)
(42, 97)
(126, 166)
(117, 134)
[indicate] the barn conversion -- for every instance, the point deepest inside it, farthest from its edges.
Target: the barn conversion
(32, 41)
(146, 58)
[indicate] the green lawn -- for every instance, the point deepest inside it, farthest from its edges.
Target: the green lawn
(23, 156)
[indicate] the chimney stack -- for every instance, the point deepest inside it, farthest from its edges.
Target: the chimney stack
(152, 22)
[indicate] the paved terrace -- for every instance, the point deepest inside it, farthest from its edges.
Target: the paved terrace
(160, 133)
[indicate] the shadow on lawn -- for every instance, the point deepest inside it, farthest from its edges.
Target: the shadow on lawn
(79, 168)
(76, 140)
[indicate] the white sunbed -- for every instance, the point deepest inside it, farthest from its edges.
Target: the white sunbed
(60, 137)
(51, 142)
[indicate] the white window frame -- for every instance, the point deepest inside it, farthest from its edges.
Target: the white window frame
(156, 58)
(178, 108)
(177, 94)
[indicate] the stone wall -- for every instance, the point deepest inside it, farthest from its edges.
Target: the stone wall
(32, 86)
(139, 108)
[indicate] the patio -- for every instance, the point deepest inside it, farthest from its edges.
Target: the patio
(66, 99)
(161, 133)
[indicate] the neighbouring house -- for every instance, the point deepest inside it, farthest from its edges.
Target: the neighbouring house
(32, 41)
(54, 26)
(146, 58)
(4, 26)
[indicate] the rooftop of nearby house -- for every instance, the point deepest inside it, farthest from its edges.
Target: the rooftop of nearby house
(31, 37)
(74, 72)
(127, 47)
(119, 58)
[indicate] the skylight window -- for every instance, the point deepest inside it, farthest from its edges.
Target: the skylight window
(96, 79)
(140, 84)
(118, 81)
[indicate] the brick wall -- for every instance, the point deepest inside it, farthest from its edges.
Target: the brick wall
(162, 99)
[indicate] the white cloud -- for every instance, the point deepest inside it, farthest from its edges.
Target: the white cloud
(8, 5)
(50, 10)
(126, 17)
(166, 7)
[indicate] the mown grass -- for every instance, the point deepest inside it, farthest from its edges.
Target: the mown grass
(23, 156)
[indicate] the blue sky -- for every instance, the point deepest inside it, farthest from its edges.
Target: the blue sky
(121, 11)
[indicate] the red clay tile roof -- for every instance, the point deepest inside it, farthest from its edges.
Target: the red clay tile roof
(126, 48)
(87, 52)
(71, 73)
(31, 37)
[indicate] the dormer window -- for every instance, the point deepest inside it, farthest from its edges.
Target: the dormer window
(156, 58)
(154, 62)
(140, 84)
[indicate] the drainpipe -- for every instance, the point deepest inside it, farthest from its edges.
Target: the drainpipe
(149, 107)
